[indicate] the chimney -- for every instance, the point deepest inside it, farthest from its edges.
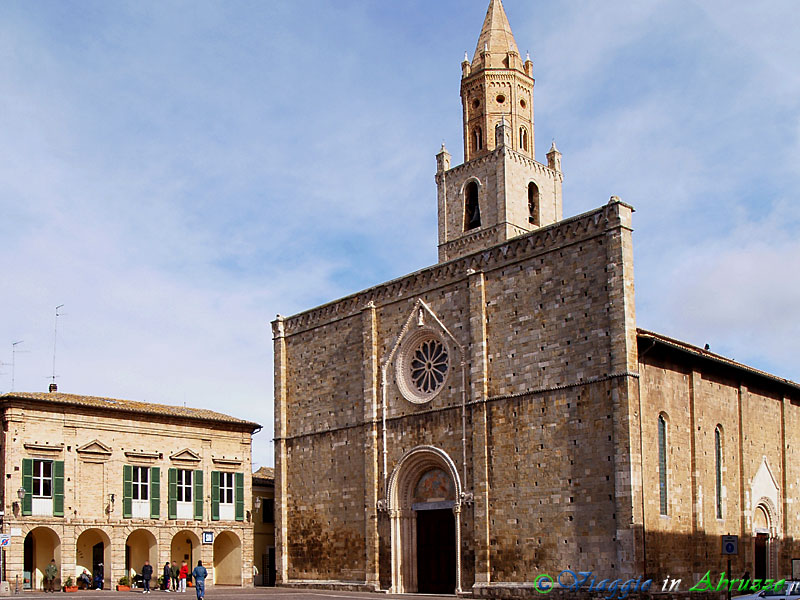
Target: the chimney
(53, 387)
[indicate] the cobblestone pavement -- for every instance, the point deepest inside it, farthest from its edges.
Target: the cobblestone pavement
(232, 593)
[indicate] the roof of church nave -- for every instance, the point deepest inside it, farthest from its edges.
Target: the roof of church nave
(686, 348)
(129, 406)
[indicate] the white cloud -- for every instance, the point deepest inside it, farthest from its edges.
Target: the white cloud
(178, 179)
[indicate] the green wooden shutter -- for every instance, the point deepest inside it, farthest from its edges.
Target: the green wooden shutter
(58, 488)
(155, 492)
(198, 494)
(27, 483)
(127, 491)
(172, 493)
(215, 495)
(238, 495)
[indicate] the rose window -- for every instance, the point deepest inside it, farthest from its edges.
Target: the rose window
(429, 366)
(423, 364)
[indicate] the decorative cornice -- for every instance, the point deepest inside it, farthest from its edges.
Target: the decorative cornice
(540, 241)
(228, 462)
(133, 454)
(44, 448)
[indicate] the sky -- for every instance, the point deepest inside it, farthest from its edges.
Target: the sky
(177, 173)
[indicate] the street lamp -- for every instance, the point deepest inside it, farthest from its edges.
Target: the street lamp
(21, 495)
(257, 503)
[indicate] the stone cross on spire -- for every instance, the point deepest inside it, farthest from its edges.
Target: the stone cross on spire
(496, 36)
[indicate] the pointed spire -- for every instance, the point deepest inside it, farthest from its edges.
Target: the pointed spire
(496, 33)
(553, 146)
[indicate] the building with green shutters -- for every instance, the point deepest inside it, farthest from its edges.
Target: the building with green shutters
(102, 485)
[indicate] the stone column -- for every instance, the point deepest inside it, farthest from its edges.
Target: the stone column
(281, 546)
(457, 513)
(371, 478)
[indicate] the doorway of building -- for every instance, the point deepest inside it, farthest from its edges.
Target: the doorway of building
(436, 551)
(760, 558)
(268, 567)
(97, 556)
(27, 569)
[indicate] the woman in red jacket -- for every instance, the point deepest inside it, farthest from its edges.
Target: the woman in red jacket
(182, 575)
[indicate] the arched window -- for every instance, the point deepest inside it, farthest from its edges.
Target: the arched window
(718, 467)
(472, 213)
(477, 139)
(662, 462)
(533, 204)
(523, 138)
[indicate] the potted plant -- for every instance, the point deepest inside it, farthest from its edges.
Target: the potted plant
(124, 584)
(69, 585)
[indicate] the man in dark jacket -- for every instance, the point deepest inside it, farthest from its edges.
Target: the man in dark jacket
(167, 576)
(147, 573)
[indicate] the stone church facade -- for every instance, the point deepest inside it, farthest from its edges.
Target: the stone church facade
(499, 415)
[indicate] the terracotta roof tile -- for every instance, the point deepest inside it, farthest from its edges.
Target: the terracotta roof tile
(265, 473)
(130, 406)
(708, 355)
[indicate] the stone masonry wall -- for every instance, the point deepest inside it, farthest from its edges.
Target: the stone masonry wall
(537, 373)
(758, 427)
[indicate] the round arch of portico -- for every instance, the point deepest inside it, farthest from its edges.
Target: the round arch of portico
(408, 471)
(46, 543)
(85, 537)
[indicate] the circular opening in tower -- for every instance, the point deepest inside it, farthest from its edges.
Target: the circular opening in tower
(501, 99)
(423, 364)
(476, 103)
(522, 103)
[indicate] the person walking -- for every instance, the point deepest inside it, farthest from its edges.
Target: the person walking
(182, 575)
(175, 572)
(199, 573)
(50, 577)
(99, 576)
(167, 576)
(147, 574)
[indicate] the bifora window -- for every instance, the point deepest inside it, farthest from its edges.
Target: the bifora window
(184, 485)
(140, 483)
(42, 479)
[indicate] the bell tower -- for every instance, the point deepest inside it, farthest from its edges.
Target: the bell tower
(500, 191)
(494, 85)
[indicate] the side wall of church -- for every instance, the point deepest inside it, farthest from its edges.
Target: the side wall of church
(539, 368)
(696, 398)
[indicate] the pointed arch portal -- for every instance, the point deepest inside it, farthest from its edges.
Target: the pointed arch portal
(424, 500)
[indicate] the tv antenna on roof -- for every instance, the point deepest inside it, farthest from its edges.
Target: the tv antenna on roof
(55, 340)
(14, 352)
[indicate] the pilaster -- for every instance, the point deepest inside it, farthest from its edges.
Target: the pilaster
(371, 454)
(478, 391)
(281, 516)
